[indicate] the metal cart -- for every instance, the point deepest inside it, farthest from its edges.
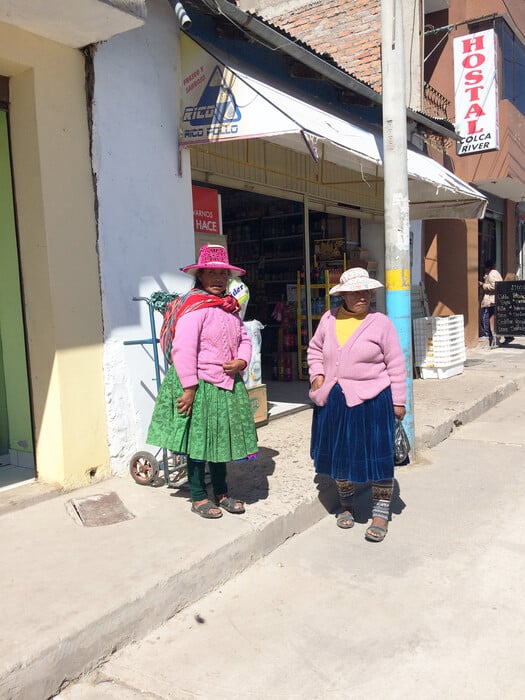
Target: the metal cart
(144, 466)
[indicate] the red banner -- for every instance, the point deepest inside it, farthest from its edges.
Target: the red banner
(206, 210)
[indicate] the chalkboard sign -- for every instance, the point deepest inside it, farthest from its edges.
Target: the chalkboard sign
(510, 308)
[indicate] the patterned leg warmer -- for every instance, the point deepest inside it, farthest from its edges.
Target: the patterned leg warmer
(381, 497)
(346, 491)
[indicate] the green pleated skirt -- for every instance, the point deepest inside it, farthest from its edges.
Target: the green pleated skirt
(219, 429)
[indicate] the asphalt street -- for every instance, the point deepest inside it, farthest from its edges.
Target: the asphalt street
(435, 611)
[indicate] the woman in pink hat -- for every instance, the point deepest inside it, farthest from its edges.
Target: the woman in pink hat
(358, 385)
(202, 409)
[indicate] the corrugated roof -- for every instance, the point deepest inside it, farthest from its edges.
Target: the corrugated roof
(323, 28)
(324, 55)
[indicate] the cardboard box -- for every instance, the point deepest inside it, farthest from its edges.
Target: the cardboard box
(259, 404)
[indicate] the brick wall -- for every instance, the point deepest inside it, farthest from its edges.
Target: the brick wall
(348, 30)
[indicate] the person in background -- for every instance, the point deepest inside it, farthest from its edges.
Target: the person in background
(488, 301)
(203, 409)
(358, 385)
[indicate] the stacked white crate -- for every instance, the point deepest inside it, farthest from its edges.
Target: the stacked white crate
(439, 346)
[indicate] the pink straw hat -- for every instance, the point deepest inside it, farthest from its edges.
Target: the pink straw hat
(213, 257)
(356, 279)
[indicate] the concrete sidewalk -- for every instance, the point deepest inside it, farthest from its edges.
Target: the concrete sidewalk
(72, 594)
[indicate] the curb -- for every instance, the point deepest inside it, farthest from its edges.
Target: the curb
(57, 666)
(433, 436)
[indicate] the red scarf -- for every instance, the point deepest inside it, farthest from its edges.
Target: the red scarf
(191, 301)
(199, 299)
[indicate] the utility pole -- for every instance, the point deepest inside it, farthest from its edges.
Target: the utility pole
(397, 222)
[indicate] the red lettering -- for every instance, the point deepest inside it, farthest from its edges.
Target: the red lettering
(473, 76)
(473, 61)
(473, 44)
(474, 92)
(474, 111)
(472, 128)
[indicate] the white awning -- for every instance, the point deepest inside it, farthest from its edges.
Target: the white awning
(222, 103)
(434, 192)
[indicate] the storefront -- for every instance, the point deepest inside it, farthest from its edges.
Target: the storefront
(276, 240)
(301, 192)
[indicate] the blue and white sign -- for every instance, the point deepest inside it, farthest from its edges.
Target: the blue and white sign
(218, 105)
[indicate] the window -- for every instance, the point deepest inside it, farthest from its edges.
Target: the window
(513, 66)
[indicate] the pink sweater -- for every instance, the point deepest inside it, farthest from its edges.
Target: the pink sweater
(204, 339)
(369, 361)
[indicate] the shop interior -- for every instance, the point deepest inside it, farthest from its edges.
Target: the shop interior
(284, 255)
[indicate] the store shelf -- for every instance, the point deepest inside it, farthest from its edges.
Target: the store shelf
(320, 295)
(279, 238)
(287, 281)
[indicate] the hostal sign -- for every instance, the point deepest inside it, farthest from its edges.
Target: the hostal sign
(476, 92)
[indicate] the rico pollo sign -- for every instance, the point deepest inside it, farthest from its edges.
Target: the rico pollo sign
(476, 92)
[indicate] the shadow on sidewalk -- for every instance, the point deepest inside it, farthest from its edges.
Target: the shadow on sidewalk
(247, 479)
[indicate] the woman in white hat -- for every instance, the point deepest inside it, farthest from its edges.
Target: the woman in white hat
(203, 409)
(358, 385)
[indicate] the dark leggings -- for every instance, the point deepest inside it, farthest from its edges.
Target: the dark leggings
(196, 479)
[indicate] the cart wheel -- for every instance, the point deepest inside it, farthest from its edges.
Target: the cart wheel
(143, 468)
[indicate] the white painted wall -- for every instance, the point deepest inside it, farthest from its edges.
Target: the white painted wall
(145, 221)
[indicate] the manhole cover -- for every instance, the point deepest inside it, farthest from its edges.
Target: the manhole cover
(97, 510)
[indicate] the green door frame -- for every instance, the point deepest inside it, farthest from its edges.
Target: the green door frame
(15, 410)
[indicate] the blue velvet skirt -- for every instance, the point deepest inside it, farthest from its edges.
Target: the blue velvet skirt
(354, 444)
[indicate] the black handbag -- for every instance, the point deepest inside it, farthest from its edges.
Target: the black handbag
(401, 445)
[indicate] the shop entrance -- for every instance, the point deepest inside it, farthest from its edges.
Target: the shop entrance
(16, 441)
(286, 249)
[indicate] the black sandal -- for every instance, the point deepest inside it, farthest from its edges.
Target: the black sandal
(229, 503)
(204, 510)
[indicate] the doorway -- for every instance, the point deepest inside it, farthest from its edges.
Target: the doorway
(17, 464)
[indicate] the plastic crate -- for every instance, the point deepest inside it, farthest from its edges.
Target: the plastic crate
(441, 372)
(438, 324)
(439, 342)
(434, 356)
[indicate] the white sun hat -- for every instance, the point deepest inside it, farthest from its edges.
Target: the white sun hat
(355, 280)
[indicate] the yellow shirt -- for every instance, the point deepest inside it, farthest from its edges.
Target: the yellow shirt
(346, 323)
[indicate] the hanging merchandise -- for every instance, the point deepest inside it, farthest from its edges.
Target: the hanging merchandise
(238, 289)
(252, 374)
(278, 311)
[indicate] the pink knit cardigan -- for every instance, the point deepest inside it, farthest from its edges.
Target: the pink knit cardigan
(369, 361)
(206, 338)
